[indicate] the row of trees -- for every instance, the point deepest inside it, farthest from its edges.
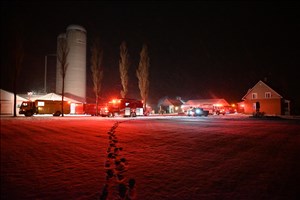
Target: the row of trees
(142, 71)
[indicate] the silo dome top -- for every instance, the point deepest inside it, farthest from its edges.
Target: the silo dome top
(76, 27)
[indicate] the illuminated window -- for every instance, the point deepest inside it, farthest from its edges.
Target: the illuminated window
(41, 103)
(268, 95)
(254, 95)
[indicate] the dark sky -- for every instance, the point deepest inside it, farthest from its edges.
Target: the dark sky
(197, 49)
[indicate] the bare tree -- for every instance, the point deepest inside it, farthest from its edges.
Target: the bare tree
(62, 54)
(97, 70)
(18, 56)
(143, 74)
(123, 67)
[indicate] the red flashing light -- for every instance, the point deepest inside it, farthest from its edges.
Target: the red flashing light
(114, 101)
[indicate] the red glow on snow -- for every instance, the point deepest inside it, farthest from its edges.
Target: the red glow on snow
(170, 157)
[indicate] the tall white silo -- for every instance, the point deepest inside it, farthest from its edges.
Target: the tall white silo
(75, 80)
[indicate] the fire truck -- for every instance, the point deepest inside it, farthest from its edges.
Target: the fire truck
(90, 109)
(29, 108)
(125, 107)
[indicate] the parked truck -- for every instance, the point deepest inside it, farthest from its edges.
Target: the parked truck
(193, 111)
(29, 108)
(91, 109)
(125, 107)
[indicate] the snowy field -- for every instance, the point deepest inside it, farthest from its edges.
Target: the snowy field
(215, 157)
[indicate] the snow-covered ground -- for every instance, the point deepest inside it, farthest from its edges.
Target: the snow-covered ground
(170, 157)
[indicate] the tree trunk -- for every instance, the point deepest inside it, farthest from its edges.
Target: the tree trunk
(62, 96)
(97, 105)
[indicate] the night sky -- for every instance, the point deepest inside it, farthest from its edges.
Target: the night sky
(197, 49)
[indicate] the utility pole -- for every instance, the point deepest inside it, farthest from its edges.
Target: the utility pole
(45, 78)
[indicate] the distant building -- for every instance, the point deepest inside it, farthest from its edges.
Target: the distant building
(264, 98)
(211, 105)
(7, 103)
(76, 107)
(169, 105)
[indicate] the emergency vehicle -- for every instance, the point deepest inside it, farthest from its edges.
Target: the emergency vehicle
(29, 108)
(197, 112)
(90, 109)
(125, 107)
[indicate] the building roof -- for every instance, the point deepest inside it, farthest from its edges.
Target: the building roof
(175, 102)
(53, 96)
(74, 97)
(6, 96)
(49, 96)
(199, 102)
(168, 101)
(259, 83)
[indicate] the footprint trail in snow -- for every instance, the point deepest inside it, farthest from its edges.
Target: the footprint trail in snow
(115, 167)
